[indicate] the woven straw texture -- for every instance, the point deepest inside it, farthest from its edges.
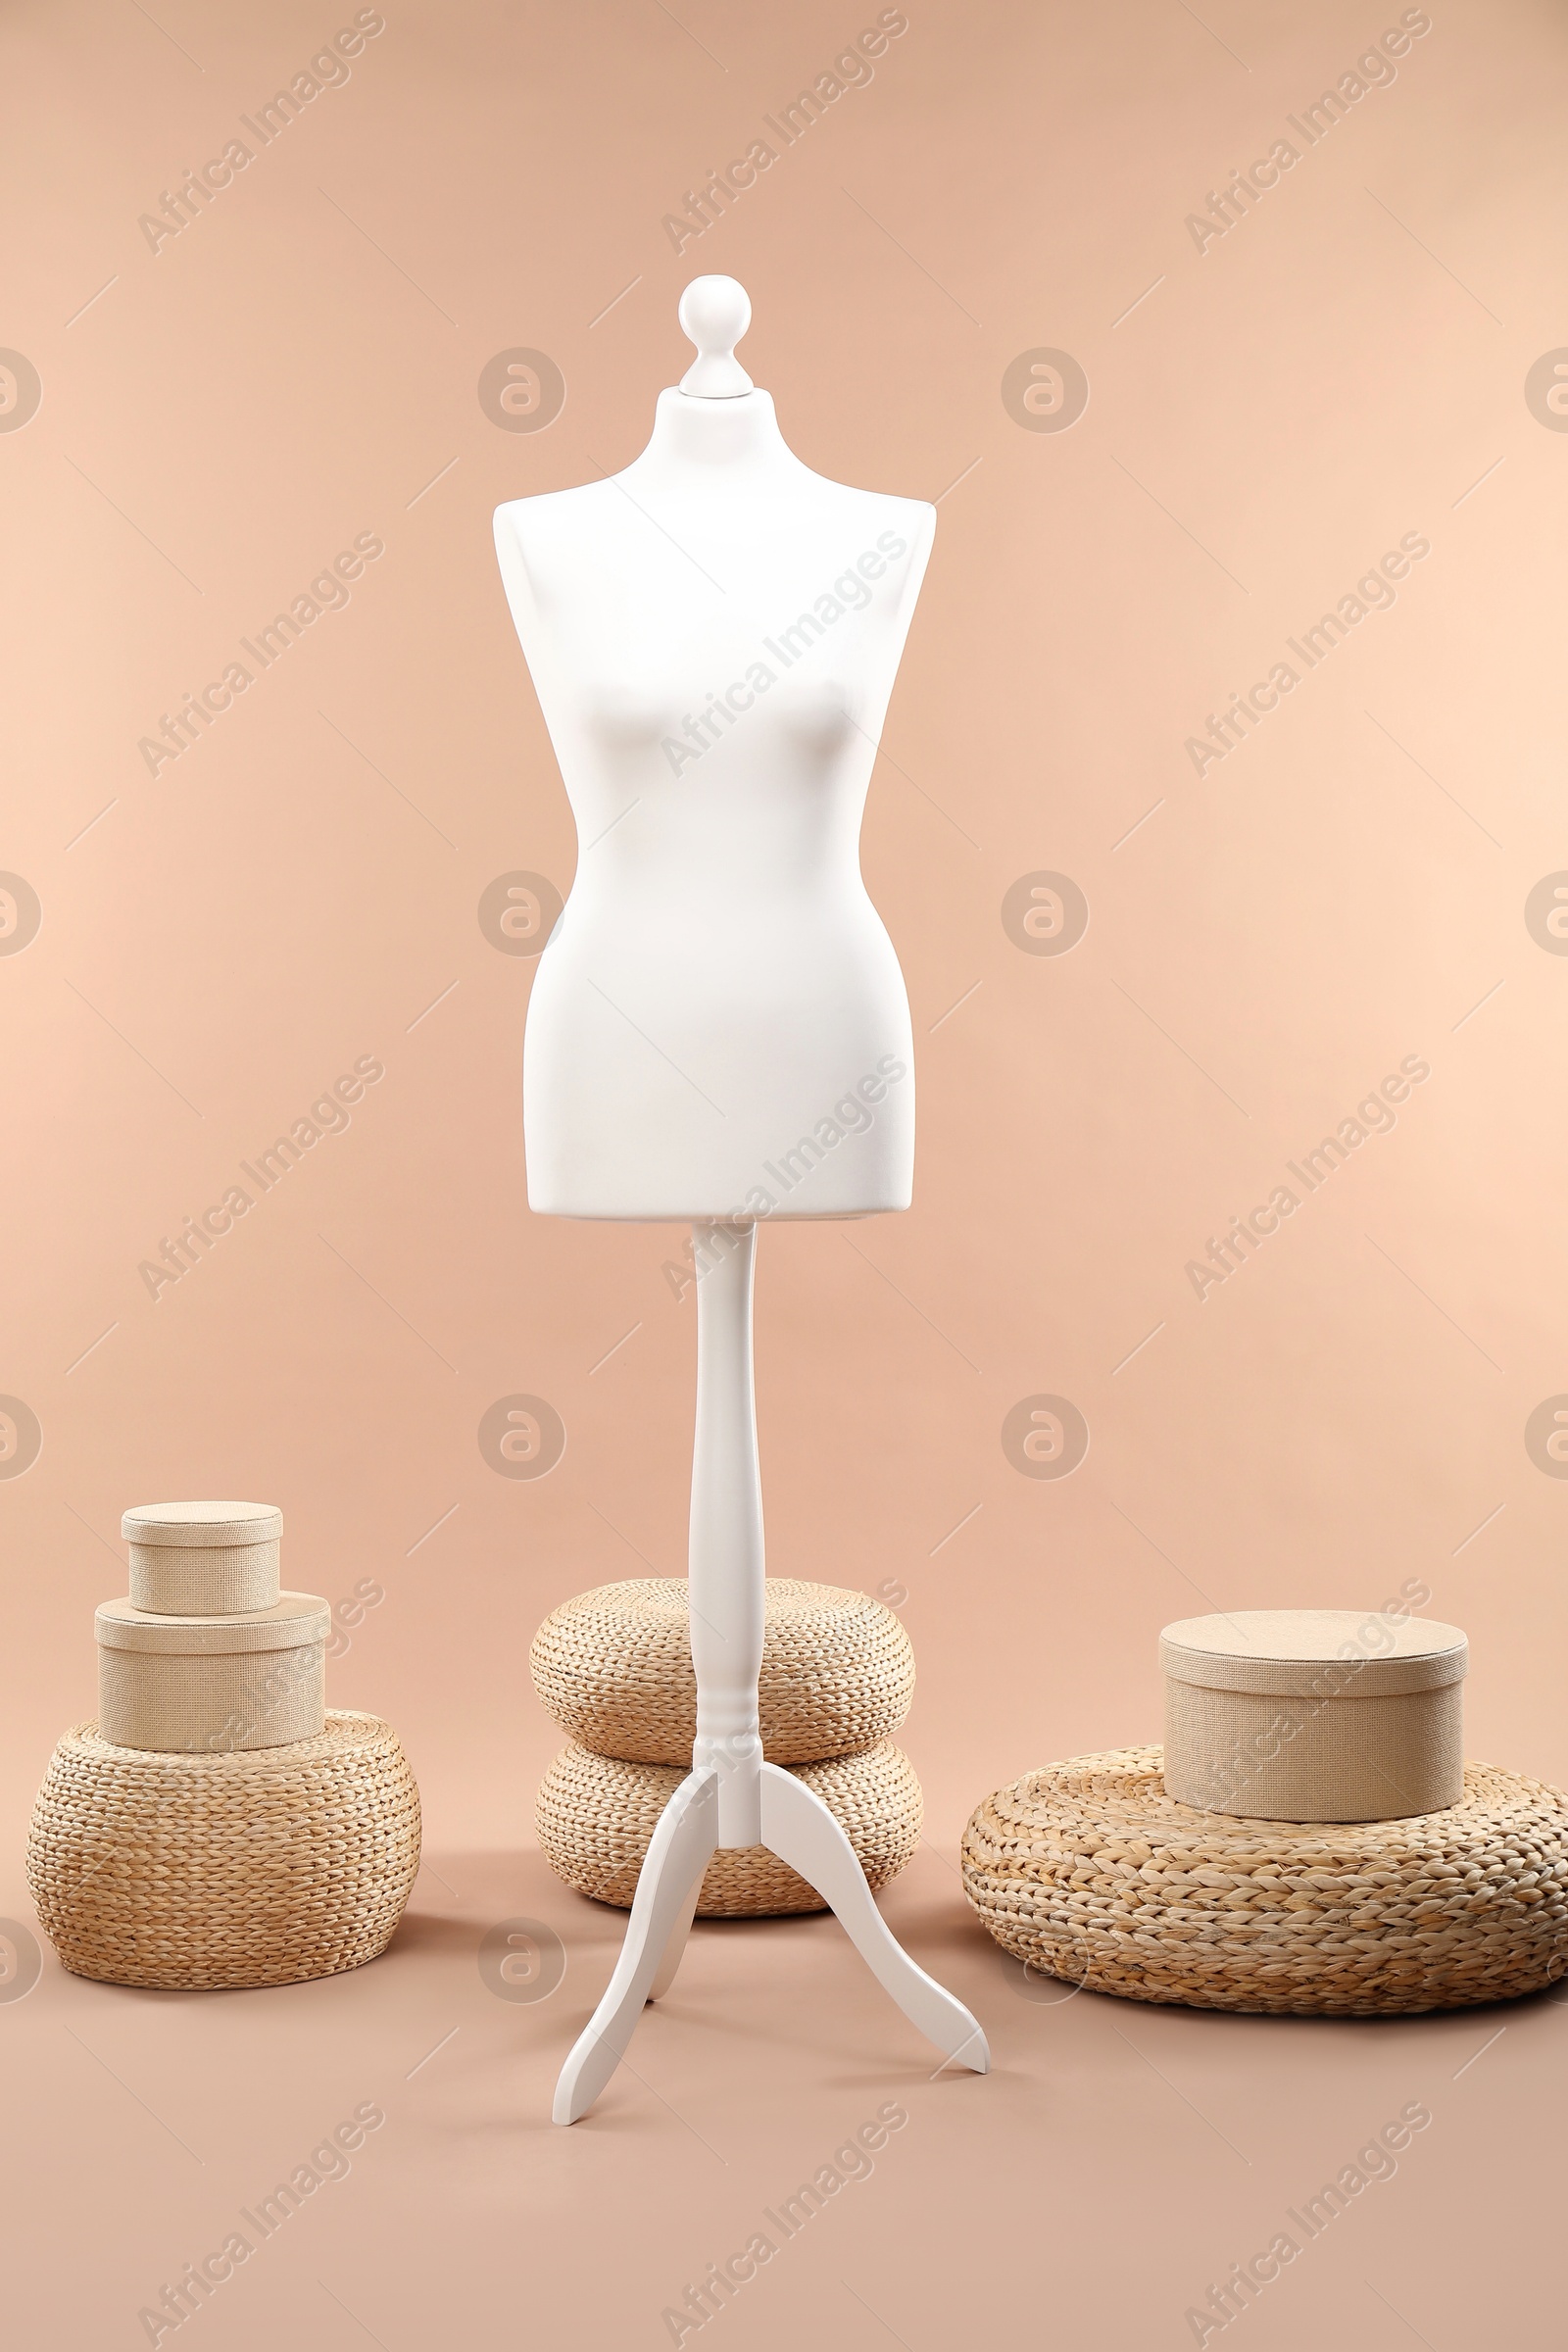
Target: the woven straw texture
(261, 1868)
(596, 1814)
(614, 1668)
(1089, 1872)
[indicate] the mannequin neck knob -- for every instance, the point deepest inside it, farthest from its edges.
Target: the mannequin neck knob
(714, 314)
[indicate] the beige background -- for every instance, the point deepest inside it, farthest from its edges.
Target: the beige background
(300, 888)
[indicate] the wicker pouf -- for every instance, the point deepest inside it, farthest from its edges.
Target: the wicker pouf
(596, 1814)
(262, 1867)
(1088, 1871)
(614, 1668)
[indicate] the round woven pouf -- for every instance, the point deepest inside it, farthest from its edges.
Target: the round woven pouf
(261, 1867)
(596, 1814)
(1088, 1871)
(614, 1668)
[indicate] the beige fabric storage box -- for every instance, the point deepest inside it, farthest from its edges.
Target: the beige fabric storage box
(213, 1684)
(1314, 1714)
(203, 1560)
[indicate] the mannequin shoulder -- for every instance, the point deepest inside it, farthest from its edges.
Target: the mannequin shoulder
(557, 543)
(917, 517)
(902, 532)
(912, 519)
(550, 517)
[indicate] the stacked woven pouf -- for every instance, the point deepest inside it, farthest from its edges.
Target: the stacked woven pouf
(614, 1668)
(217, 1825)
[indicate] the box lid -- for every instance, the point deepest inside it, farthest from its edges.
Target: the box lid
(1314, 1653)
(293, 1620)
(191, 1524)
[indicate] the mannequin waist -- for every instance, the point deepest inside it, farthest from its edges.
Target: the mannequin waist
(753, 945)
(703, 888)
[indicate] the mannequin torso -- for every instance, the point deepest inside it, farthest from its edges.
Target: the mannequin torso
(718, 1026)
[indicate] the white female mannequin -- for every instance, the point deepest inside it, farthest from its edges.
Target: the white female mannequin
(714, 635)
(719, 1030)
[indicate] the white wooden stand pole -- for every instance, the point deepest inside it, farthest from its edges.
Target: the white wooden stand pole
(731, 1797)
(727, 1564)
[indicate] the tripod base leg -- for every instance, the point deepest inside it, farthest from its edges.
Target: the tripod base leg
(656, 1934)
(799, 1828)
(675, 1945)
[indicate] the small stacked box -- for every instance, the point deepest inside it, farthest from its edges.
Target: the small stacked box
(217, 1826)
(207, 1655)
(614, 1668)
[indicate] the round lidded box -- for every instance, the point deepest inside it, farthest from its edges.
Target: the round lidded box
(203, 1560)
(1314, 1714)
(213, 1684)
